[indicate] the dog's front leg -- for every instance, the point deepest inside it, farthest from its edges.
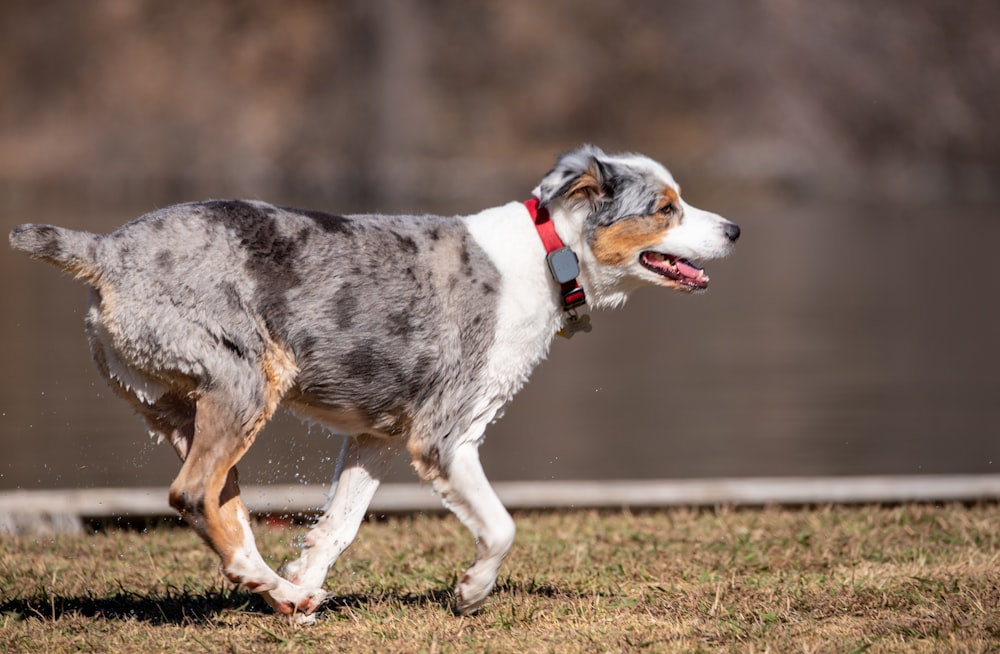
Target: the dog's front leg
(363, 462)
(465, 490)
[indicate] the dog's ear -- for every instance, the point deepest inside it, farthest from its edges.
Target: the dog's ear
(580, 176)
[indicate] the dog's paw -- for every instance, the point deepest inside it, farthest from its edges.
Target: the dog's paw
(295, 602)
(469, 595)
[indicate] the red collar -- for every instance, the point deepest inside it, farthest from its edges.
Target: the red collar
(563, 264)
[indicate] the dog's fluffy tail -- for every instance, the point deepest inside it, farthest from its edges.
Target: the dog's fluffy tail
(74, 252)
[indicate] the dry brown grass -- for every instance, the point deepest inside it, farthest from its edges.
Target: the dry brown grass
(914, 578)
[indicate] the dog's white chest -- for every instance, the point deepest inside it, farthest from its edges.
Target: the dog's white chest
(527, 313)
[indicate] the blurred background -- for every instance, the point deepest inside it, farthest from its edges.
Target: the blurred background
(855, 330)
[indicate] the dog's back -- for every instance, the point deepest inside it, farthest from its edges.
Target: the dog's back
(372, 314)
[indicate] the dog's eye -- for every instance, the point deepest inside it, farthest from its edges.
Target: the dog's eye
(668, 210)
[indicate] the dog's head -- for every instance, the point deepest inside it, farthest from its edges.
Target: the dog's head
(626, 220)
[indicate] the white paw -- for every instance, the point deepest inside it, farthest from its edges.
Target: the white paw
(470, 594)
(295, 602)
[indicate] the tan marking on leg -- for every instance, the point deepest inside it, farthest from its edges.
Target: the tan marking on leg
(426, 458)
(280, 371)
(207, 480)
(235, 515)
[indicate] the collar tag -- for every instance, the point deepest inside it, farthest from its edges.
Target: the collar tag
(575, 323)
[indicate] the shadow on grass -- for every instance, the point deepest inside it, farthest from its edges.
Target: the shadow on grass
(176, 606)
(171, 607)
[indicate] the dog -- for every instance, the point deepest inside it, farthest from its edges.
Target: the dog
(394, 331)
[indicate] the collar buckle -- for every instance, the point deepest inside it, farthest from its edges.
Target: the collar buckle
(573, 296)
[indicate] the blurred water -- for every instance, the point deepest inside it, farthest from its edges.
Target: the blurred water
(855, 340)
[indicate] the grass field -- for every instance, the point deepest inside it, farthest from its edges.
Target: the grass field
(911, 578)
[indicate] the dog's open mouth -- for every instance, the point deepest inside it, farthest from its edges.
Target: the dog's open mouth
(677, 269)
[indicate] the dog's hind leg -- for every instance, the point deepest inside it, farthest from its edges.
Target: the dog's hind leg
(363, 462)
(465, 490)
(206, 494)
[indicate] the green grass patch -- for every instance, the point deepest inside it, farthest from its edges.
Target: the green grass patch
(915, 578)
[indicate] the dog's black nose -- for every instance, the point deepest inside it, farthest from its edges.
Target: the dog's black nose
(732, 231)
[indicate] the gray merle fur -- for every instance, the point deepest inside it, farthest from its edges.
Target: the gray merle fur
(237, 268)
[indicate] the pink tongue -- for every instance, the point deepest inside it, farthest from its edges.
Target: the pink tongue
(687, 269)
